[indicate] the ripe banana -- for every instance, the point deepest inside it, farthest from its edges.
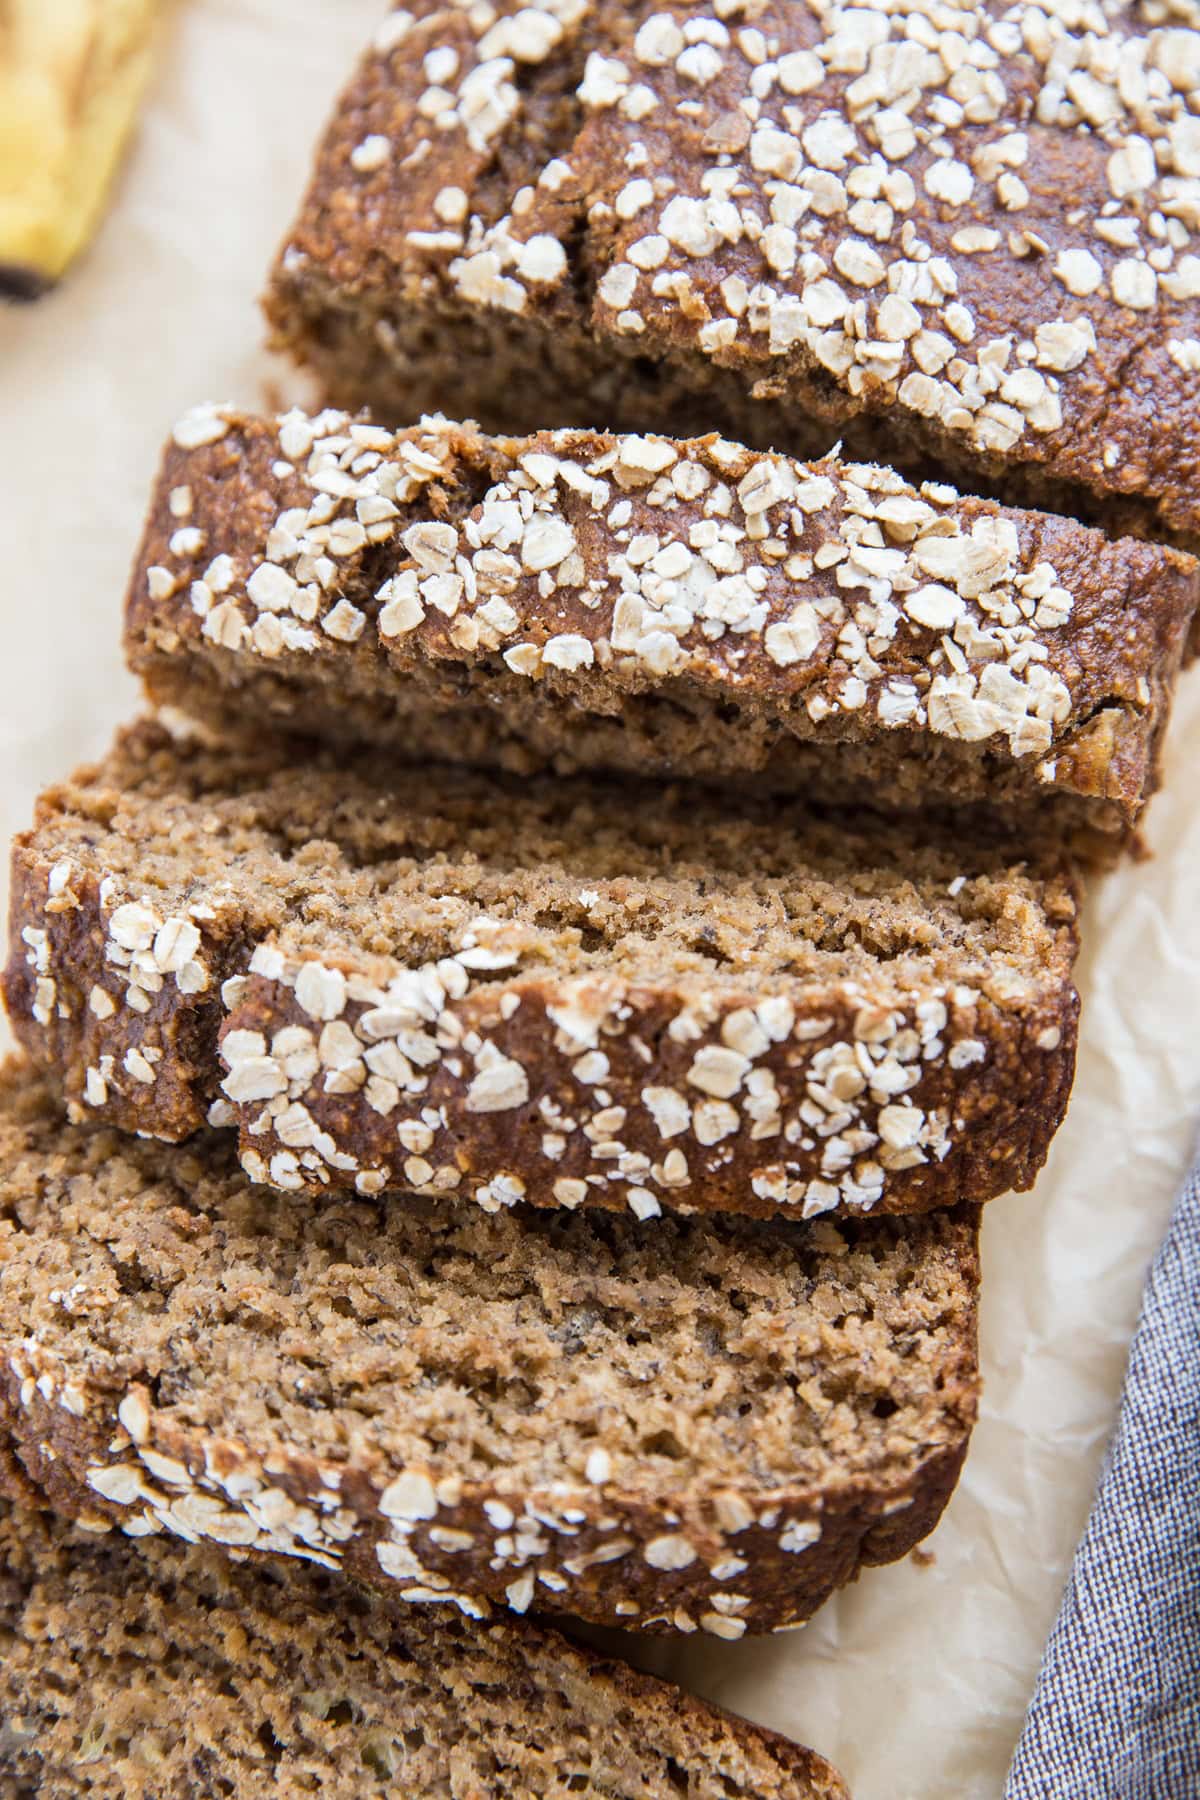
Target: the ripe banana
(71, 75)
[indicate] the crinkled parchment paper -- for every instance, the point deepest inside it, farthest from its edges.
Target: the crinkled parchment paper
(915, 1680)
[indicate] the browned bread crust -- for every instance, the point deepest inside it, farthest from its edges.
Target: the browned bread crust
(961, 237)
(176, 1673)
(672, 609)
(553, 991)
(705, 1425)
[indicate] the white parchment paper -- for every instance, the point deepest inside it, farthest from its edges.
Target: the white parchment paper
(915, 1680)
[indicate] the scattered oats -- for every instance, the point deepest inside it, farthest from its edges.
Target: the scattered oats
(122, 1483)
(1079, 272)
(272, 589)
(795, 638)
(451, 205)
(542, 260)
(936, 607)
(392, 33)
(500, 1085)
(1134, 284)
(410, 1496)
(321, 991)
(618, 285)
(402, 610)
(949, 181)
(718, 1071)
(203, 425)
(133, 926)
(599, 1467)
(659, 41)
(568, 651)
(799, 72)
(670, 1552)
(799, 1535)
(547, 542)
(519, 1593)
(717, 1625)
(345, 622)
(859, 263)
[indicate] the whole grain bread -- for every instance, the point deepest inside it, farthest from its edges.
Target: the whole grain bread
(952, 235)
(167, 1673)
(708, 1425)
(560, 992)
(672, 609)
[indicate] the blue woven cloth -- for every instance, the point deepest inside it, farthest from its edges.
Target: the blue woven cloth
(1116, 1711)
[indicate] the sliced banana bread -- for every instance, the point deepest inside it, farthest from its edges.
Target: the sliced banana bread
(958, 234)
(554, 991)
(711, 1424)
(164, 1673)
(678, 609)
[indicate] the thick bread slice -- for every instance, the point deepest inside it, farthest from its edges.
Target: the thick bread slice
(711, 1423)
(553, 991)
(164, 1673)
(956, 234)
(679, 609)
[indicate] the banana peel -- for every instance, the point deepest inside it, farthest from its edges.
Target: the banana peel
(72, 73)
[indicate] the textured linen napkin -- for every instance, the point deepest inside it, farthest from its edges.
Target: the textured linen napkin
(1116, 1711)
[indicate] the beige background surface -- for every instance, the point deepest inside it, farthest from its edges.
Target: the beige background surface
(915, 1680)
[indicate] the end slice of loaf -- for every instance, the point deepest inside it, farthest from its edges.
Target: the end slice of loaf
(558, 992)
(675, 609)
(948, 237)
(176, 1673)
(707, 1426)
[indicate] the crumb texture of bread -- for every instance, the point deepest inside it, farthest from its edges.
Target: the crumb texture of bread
(454, 984)
(670, 609)
(160, 1672)
(709, 1424)
(954, 236)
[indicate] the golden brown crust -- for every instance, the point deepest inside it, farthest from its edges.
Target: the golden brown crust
(669, 608)
(441, 982)
(709, 1429)
(966, 237)
(175, 1666)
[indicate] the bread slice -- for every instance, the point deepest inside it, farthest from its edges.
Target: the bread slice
(673, 609)
(559, 992)
(175, 1673)
(708, 1425)
(951, 238)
